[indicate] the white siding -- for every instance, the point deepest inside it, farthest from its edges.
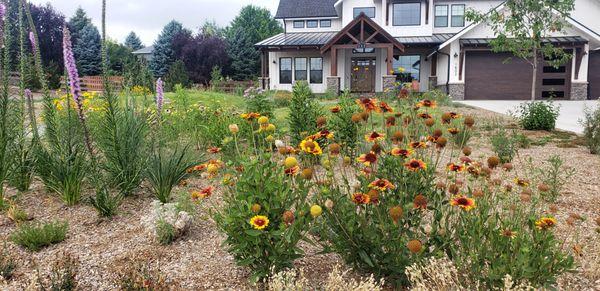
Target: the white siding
(336, 25)
(481, 6)
(274, 69)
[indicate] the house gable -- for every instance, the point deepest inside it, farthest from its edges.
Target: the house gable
(306, 9)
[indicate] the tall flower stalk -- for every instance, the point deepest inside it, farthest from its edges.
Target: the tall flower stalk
(75, 88)
(160, 97)
(5, 132)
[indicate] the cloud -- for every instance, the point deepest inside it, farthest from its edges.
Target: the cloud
(147, 18)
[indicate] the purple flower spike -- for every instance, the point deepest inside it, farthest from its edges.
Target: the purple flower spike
(160, 96)
(71, 67)
(2, 10)
(28, 93)
(32, 41)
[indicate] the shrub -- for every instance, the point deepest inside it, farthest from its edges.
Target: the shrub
(177, 75)
(216, 78)
(346, 130)
(304, 112)
(264, 216)
(7, 264)
(34, 237)
(504, 145)
(282, 98)
(166, 169)
(518, 241)
(538, 115)
(121, 138)
(591, 129)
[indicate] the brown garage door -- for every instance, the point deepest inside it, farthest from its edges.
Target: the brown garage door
(594, 74)
(501, 76)
(488, 76)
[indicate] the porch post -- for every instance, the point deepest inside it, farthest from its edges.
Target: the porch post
(333, 81)
(433, 77)
(389, 79)
(264, 80)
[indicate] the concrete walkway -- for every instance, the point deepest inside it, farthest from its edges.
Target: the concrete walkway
(570, 111)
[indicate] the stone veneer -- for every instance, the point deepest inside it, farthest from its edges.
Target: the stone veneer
(389, 82)
(264, 83)
(579, 91)
(333, 85)
(457, 91)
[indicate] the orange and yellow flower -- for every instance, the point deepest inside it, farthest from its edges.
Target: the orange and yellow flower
(418, 145)
(463, 202)
(360, 198)
(250, 116)
(420, 202)
(374, 136)
(453, 130)
(293, 171)
(335, 109)
(398, 152)
(427, 103)
(214, 150)
(545, 223)
(415, 165)
(508, 233)
(452, 167)
(203, 193)
(382, 185)
(385, 108)
(311, 147)
(367, 104)
(522, 182)
(367, 159)
(259, 222)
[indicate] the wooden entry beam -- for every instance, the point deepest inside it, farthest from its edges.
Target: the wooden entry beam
(334, 62)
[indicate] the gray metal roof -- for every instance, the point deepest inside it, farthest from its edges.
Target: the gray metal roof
(321, 38)
(555, 40)
(298, 39)
(432, 39)
(144, 51)
(306, 8)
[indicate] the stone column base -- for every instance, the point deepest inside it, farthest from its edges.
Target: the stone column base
(389, 83)
(456, 91)
(333, 85)
(265, 83)
(579, 91)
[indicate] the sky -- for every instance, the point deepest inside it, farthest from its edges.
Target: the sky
(147, 17)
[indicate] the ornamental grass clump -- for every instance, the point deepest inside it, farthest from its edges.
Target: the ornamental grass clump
(34, 237)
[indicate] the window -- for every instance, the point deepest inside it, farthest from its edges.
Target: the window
(441, 16)
(316, 70)
(368, 11)
(407, 68)
(298, 23)
(312, 23)
(326, 23)
(285, 70)
(458, 15)
(300, 67)
(407, 14)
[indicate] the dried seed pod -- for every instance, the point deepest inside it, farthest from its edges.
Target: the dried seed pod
(414, 246)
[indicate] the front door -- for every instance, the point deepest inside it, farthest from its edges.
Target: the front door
(363, 75)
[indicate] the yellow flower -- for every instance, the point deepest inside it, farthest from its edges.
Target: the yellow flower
(263, 120)
(290, 162)
(311, 147)
(463, 202)
(545, 223)
(316, 211)
(259, 222)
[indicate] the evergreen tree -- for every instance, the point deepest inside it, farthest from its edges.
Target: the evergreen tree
(77, 23)
(87, 50)
(133, 42)
(254, 24)
(163, 55)
(245, 59)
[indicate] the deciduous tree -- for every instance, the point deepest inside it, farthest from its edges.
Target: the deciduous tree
(521, 28)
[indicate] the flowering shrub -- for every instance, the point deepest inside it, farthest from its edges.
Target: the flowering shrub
(265, 214)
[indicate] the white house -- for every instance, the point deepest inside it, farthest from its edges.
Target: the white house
(367, 45)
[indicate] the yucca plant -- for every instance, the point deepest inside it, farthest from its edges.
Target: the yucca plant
(166, 169)
(22, 149)
(121, 136)
(6, 134)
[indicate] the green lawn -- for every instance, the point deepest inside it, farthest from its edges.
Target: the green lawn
(209, 98)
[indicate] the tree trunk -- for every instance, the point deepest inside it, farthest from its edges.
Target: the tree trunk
(534, 80)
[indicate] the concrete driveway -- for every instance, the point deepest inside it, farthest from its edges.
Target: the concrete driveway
(570, 111)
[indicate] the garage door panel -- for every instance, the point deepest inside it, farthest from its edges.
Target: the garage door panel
(489, 75)
(594, 75)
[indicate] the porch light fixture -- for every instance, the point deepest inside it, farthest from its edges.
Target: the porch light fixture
(456, 55)
(274, 62)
